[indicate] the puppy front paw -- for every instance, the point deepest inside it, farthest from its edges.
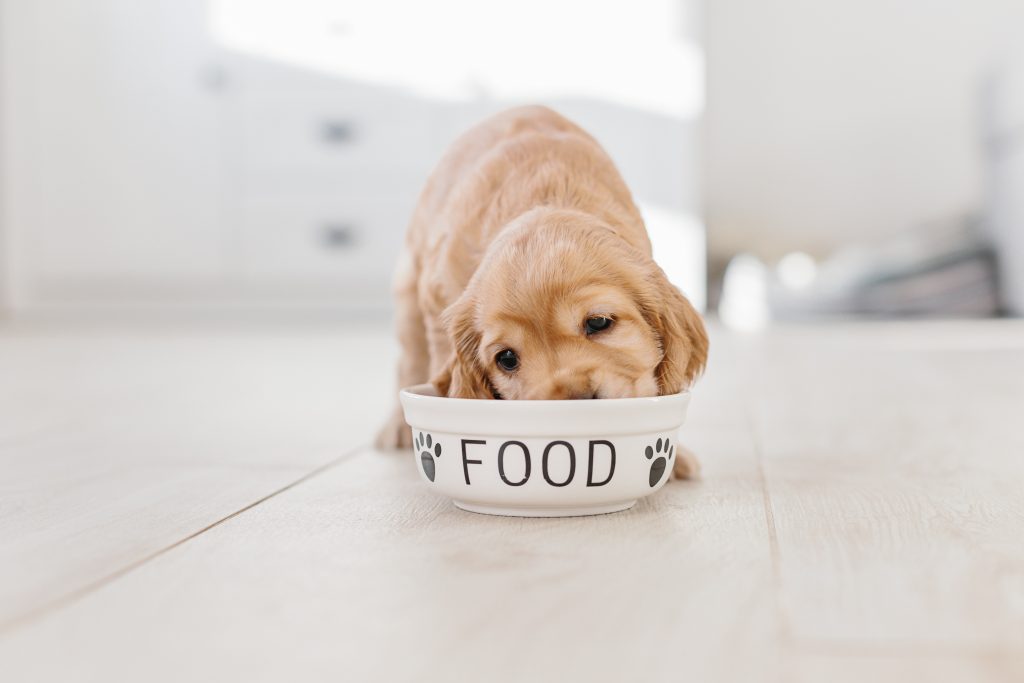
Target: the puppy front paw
(686, 465)
(395, 434)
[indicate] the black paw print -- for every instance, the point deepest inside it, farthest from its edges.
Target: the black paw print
(660, 464)
(423, 443)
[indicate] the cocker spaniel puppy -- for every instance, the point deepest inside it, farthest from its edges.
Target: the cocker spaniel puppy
(527, 274)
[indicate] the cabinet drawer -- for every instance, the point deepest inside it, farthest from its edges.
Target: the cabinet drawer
(354, 241)
(325, 135)
(322, 185)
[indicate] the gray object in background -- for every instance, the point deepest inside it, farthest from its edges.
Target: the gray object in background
(936, 270)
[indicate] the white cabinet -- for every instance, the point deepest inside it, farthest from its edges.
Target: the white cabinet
(119, 156)
(326, 174)
(311, 239)
(228, 153)
(153, 167)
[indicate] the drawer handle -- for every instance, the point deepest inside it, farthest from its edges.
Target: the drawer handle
(337, 132)
(337, 236)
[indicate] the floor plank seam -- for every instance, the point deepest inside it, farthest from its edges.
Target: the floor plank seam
(769, 515)
(22, 620)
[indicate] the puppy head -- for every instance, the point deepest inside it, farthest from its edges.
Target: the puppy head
(561, 307)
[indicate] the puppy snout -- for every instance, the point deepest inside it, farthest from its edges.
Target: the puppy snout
(577, 395)
(567, 387)
(559, 393)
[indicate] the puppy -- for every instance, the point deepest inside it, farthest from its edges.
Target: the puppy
(527, 274)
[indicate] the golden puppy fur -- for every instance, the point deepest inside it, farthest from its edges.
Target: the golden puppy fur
(523, 233)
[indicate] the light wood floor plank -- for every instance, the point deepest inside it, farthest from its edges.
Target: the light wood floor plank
(934, 667)
(53, 550)
(860, 518)
(116, 442)
(214, 394)
(364, 573)
(896, 474)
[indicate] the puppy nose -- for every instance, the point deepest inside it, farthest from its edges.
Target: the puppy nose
(568, 385)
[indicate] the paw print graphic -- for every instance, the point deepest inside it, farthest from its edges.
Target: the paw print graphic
(664, 451)
(428, 450)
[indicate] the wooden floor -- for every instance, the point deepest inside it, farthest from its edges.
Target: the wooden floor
(200, 504)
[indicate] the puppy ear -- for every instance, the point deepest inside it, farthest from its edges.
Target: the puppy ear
(462, 376)
(680, 329)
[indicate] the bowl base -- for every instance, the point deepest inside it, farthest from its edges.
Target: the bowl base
(577, 511)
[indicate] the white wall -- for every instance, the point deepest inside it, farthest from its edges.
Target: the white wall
(4, 293)
(829, 122)
(12, 13)
(8, 39)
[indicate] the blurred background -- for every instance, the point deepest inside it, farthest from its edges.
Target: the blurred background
(793, 159)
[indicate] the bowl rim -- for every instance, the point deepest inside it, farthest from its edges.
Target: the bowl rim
(424, 409)
(416, 393)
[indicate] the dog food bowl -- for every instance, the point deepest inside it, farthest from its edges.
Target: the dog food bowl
(544, 458)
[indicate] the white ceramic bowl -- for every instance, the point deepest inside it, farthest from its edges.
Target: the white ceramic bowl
(544, 458)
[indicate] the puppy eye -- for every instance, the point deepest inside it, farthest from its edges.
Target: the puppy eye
(598, 323)
(507, 360)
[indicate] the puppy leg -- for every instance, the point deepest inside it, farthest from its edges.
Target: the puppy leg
(686, 465)
(414, 363)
